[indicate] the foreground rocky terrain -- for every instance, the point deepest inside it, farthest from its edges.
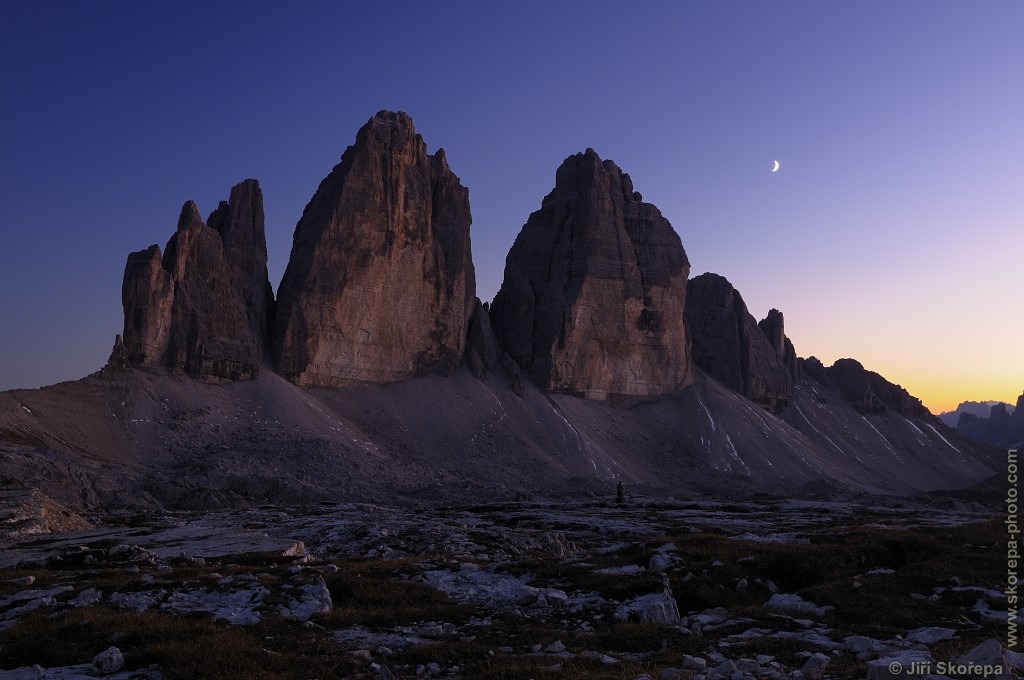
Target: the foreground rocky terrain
(584, 588)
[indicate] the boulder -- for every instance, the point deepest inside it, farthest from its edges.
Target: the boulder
(658, 608)
(910, 663)
(380, 284)
(109, 661)
(814, 667)
(985, 659)
(788, 603)
(594, 290)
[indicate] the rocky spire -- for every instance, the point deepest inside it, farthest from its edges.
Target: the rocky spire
(201, 307)
(774, 328)
(594, 289)
(239, 221)
(380, 284)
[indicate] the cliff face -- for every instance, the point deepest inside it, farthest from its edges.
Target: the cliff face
(729, 345)
(380, 284)
(594, 290)
(202, 306)
(774, 328)
(239, 221)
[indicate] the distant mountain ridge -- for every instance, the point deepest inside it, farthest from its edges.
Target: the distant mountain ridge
(979, 409)
(377, 374)
(1002, 426)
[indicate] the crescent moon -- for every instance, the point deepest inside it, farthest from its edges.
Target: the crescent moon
(776, 168)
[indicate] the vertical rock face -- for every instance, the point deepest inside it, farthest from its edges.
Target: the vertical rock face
(239, 221)
(481, 345)
(202, 306)
(380, 285)
(594, 289)
(728, 344)
(147, 295)
(1018, 411)
(774, 328)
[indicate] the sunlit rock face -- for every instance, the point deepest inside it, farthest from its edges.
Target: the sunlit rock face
(380, 285)
(730, 347)
(594, 290)
(202, 306)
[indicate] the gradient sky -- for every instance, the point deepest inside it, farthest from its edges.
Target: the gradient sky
(892, 233)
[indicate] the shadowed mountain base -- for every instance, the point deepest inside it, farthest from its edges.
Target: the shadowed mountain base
(130, 439)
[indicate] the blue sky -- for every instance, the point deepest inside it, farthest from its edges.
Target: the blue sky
(892, 232)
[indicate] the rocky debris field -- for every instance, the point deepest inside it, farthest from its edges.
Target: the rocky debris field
(560, 589)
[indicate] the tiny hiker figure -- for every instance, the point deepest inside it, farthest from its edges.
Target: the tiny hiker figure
(618, 494)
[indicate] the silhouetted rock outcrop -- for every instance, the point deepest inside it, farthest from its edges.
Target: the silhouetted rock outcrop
(869, 392)
(380, 284)
(773, 326)
(730, 347)
(594, 290)
(239, 221)
(979, 409)
(202, 306)
(481, 345)
(1001, 428)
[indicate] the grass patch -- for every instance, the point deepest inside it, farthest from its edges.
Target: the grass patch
(184, 646)
(377, 594)
(384, 594)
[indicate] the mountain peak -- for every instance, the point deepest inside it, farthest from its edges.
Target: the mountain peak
(594, 289)
(380, 285)
(202, 307)
(189, 217)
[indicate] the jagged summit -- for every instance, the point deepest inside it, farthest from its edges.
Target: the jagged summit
(380, 284)
(380, 288)
(774, 328)
(594, 289)
(729, 345)
(202, 306)
(869, 392)
(999, 427)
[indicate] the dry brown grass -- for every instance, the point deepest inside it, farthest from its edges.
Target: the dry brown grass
(380, 595)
